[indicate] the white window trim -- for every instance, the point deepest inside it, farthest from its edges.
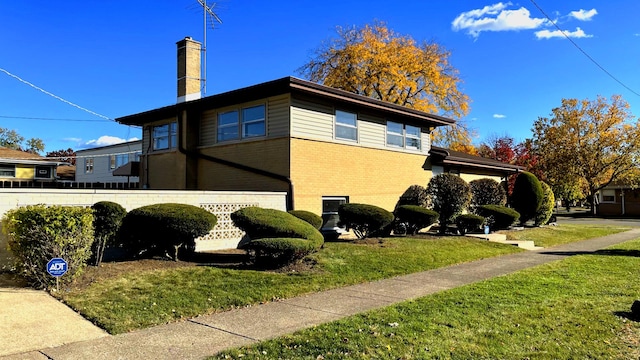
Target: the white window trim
(240, 123)
(405, 137)
(602, 195)
(337, 124)
(88, 165)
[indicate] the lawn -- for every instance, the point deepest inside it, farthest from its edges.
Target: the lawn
(577, 308)
(132, 298)
(549, 236)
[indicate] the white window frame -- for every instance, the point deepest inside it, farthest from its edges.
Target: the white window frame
(394, 134)
(607, 193)
(339, 115)
(240, 123)
(170, 135)
(88, 166)
(262, 120)
(407, 137)
(115, 161)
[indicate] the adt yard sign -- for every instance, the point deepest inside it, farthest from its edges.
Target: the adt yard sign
(57, 267)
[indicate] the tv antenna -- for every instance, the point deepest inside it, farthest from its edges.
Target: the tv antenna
(210, 18)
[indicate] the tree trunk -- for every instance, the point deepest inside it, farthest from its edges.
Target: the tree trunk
(593, 203)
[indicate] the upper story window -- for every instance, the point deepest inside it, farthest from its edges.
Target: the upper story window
(165, 136)
(115, 161)
(248, 122)
(406, 136)
(346, 125)
(88, 165)
(7, 170)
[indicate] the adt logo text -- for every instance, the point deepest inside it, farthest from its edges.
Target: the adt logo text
(57, 267)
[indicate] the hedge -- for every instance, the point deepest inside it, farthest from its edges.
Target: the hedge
(468, 223)
(364, 219)
(276, 238)
(527, 196)
(450, 196)
(415, 217)
(498, 217)
(165, 229)
(546, 207)
(308, 216)
(107, 218)
(487, 192)
(37, 233)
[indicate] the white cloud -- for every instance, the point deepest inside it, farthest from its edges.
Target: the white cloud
(583, 15)
(106, 140)
(499, 116)
(72, 139)
(496, 17)
(546, 34)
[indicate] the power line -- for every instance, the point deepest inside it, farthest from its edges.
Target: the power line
(55, 96)
(582, 51)
(51, 119)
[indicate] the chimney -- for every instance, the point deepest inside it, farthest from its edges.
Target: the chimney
(188, 69)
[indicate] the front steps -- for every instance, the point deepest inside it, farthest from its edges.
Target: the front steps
(502, 239)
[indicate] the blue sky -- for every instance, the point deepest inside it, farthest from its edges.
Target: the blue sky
(118, 57)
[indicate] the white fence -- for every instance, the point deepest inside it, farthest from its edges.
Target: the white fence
(221, 203)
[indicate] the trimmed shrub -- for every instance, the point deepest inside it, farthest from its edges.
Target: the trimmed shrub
(450, 196)
(546, 208)
(107, 218)
(364, 219)
(37, 233)
(487, 192)
(276, 238)
(415, 217)
(308, 216)
(164, 229)
(468, 223)
(498, 217)
(414, 195)
(527, 196)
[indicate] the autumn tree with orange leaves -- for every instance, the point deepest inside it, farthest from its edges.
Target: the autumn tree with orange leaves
(375, 61)
(595, 142)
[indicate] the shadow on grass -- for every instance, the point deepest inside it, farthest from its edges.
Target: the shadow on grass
(627, 315)
(604, 252)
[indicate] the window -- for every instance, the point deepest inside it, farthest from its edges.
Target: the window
(413, 137)
(250, 122)
(7, 170)
(115, 161)
(330, 218)
(137, 156)
(165, 136)
(88, 165)
(395, 134)
(346, 125)
(405, 136)
(43, 172)
(608, 196)
(253, 121)
(228, 125)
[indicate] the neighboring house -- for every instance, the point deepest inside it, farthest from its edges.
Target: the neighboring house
(321, 145)
(109, 164)
(18, 165)
(618, 200)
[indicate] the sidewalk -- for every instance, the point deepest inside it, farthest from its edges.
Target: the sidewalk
(206, 335)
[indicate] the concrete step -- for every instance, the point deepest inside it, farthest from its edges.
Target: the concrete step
(502, 238)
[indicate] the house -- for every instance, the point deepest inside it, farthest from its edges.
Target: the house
(20, 167)
(109, 164)
(468, 167)
(321, 145)
(618, 199)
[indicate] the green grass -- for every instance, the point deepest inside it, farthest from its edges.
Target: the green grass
(577, 308)
(549, 236)
(142, 299)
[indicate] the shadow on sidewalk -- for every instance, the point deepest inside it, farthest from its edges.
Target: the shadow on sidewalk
(605, 252)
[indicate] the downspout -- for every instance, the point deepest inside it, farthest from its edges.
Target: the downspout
(196, 154)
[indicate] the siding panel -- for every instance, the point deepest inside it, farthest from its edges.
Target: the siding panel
(311, 120)
(278, 109)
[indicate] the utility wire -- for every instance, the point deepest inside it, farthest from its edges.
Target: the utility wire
(55, 96)
(582, 51)
(50, 119)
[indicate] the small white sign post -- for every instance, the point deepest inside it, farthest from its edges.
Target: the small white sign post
(57, 267)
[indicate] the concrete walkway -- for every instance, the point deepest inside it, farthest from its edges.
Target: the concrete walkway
(206, 335)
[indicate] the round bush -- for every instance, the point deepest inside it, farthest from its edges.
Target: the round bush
(469, 223)
(107, 218)
(487, 192)
(498, 217)
(275, 237)
(364, 219)
(308, 216)
(546, 208)
(527, 196)
(415, 217)
(165, 228)
(450, 196)
(37, 233)
(414, 195)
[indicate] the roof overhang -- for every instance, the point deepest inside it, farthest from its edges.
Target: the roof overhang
(279, 87)
(132, 168)
(31, 162)
(450, 157)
